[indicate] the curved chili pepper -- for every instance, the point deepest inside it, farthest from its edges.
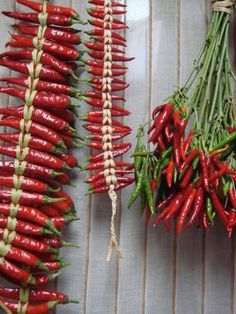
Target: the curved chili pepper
(187, 177)
(99, 129)
(98, 47)
(191, 156)
(101, 15)
(219, 208)
(16, 273)
(203, 162)
(57, 35)
(97, 95)
(105, 188)
(106, 73)
(39, 116)
(115, 57)
(45, 72)
(102, 182)
(99, 175)
(45, 59)
(29, 214)
(116, 153)
(35, 129)
(37, 157)
(99, 103)
(52, 19)
(59, 50)
(106, 25)
(115, 41)
(98, 119)
(170, 172)
(41, 100)
(27, 243)
(54, 9)
(100, 32)
(197, 206)
(185, 210)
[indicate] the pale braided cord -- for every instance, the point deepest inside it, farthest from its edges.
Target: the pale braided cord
(107, 129)
(223, 6)
(22, 308)
(4, 249)
(8, 237)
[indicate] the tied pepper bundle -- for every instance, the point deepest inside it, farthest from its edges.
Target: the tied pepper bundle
(34, 207)
(191, 175)
(105, 63)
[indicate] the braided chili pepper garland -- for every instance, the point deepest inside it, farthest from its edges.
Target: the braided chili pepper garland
(194, 173)
(33, 206)
(106, 64)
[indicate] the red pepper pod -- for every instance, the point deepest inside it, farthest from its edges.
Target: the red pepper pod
(45, 73)
(100, 156)
(100, 120)
(101, 32)
(99, 103)
(191, 156)
(15, 273)
(204, 166)
(39, 116)
(102, 182)
(185, 210)
(100, 165)
(170, 172)
(105, 73)
(99, 129)
(115, 57)
(187, 177)
(24, 242)
(232, 219)
(102, 3)
(232, 197)
(38, 295)
(54, 9)
(219, 208)
(114, 41)
(55, 34)
(100, 175)
(52, 19)
(197, 206)
(45, 59)
(97, 95)
(105, 188)
(107, 25)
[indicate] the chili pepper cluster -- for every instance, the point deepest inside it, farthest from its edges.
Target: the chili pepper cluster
(33, 206)
(106, 64)
(190, 175)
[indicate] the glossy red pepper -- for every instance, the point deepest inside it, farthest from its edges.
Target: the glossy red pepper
(219, 208)
(106, 25)
(100, 32)
(55, 34)
(197, 206)
(185, 210)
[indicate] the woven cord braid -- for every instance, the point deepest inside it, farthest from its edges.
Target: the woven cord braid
(107, 130)
(223, 6)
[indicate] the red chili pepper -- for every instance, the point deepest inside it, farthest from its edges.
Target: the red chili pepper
(100, 32)
(102, 182)
(41, 308)
(16, 273)
(99, 129)
(98, 119)
(99, 146)
(60, 222)
(98, 47)
(191, 156)
(168, 133)
(101, 15)
(28, 184)
(102, 3)
(22, 256)
(113, 80)
(185, 210)
(41, 280)
(115, 41)
(170, 172)
(26, 243)
(102, 10)
(116, 153)
(105, 188)
(203, 163)
(36, 295)
(55, 34)
(45, 59)
(99, 103)
(50, 211)
(34, 142)
(45, 73)
(197, 206)
(232, 197)
(161, 121)
(61, 51)
(98, 95)
(100, 165)
(35, 129)
(27, 213)
(66, 115)
(54, 9)
(115, 57)
(100, 175)
(188, 142)
(41, 100)
(177, 153)
(106, 25)
(34, 156)
(160, 142)
(39, 116)
(187, 177)
(104, 73)
(219, 208)
(30, 170)
(52, 19)
(56, 242)
(176, 205)
(99, 137)
(232, 219)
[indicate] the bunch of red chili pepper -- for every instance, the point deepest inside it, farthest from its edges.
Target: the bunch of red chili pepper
(191, 175)
(106, 64)
(34, 207)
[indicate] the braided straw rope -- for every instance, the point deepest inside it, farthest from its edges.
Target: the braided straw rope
(223, 6)
(107, 130)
